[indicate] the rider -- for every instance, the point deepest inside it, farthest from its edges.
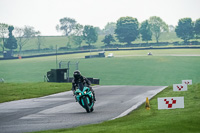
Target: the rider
(78, 77)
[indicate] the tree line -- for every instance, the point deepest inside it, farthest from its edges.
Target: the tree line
(126, 30)
(22, 36)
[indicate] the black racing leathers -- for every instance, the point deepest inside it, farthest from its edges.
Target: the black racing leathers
(85, 82)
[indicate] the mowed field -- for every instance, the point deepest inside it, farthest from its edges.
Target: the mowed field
(165, 67)
(133, 67)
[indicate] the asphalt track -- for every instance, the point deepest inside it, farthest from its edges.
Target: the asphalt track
(61, 111)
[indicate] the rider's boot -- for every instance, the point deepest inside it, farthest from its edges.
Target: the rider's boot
(76, 99)
(93, 93)
(94, 96)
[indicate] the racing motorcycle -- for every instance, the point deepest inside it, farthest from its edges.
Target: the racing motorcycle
(85, 97)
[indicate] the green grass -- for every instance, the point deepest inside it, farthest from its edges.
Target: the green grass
(145, 70)
(135, 68)
(18, 91)
(127, 68)
(185, 120)
(166, 52)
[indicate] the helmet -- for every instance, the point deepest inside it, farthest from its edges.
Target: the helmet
(77, 74)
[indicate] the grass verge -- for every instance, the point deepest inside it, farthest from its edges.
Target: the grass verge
(18, 91)
(126, 68)
(153, 120)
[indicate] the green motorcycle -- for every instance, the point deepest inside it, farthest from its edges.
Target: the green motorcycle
(85, 97)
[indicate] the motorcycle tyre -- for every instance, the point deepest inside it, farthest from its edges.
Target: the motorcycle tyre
(86, 105)
(92, 109)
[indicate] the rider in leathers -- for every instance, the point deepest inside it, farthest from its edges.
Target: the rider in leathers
(79, 78)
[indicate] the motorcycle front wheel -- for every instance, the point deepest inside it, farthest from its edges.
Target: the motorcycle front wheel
(86, 104)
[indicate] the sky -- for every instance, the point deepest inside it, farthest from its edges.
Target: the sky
(44, 15)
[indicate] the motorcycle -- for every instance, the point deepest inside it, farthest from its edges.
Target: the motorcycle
(85, 97)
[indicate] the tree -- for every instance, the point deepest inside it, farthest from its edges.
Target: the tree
(127, 29)
(108, 39)
(185, 29)
(23, 35)
(39, 39)
(67, 25)
(145, 31)
(3, 33)
(197, 28)
(78, 30)
(157, 27)
(77, 36)
(99, 31)
(171, 28)
(29, 31)
(110, 28)
(11, 42)
(77, 40)
(90, 34)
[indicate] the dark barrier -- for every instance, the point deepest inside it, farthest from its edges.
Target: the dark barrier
(57, 75)
(112, 49)
(8, 54)
(96, 81)
(92, 80)
(91, 56)
(101, 54)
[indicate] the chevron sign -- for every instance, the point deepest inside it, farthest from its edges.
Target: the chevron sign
(188, 82)
(179, 87)
(170, 102)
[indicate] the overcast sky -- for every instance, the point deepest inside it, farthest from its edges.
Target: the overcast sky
(44, 15)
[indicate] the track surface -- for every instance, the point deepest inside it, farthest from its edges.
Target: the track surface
(61, 110)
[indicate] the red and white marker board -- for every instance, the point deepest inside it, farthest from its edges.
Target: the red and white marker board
(170, 102)
(179, 87)
(187, 82)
